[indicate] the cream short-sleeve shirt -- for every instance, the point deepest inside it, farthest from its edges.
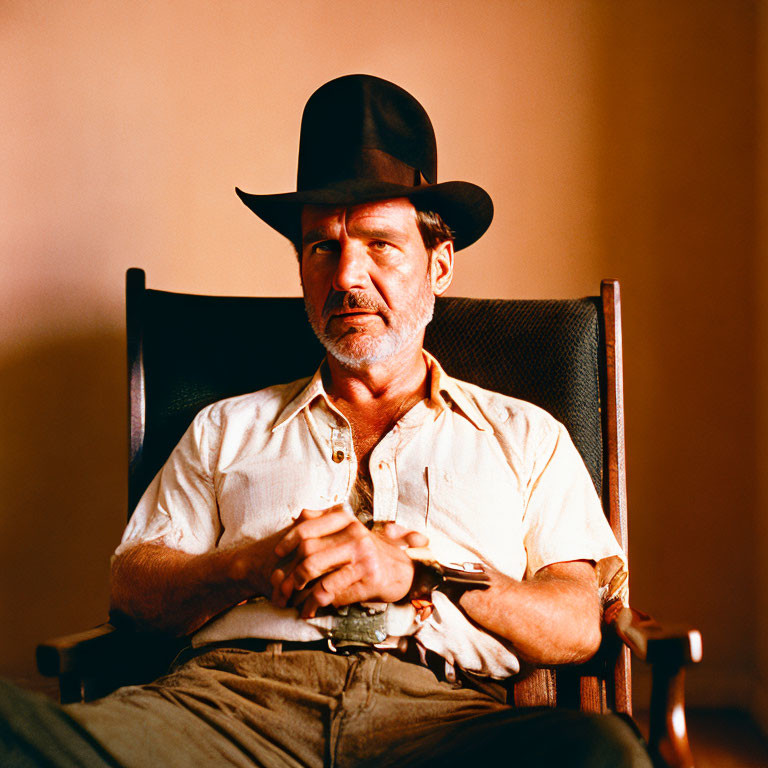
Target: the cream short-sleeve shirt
(486, 477)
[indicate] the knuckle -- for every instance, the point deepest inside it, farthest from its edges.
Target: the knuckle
(301, 532)
(302, 574)
(276, 578)
(392, 530)
(240, 567)
(310, 568)
(367, 548)
(322, 598)
(373, 569)
(366, 568)
(306, 548)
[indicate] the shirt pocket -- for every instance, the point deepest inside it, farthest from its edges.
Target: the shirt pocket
(475, 521)
(258, 498)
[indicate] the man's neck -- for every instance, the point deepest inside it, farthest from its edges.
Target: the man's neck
(401, 377)
(375, 398)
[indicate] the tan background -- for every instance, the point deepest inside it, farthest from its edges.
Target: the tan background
(618, 139)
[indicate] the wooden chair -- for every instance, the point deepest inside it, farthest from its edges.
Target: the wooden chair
(186, 351)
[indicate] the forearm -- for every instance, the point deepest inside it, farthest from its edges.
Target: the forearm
(552, 619)
(169, 590)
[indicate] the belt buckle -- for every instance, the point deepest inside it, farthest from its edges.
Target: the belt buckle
(360, 625)
(347, 649)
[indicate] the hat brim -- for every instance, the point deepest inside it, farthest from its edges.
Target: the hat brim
(466, 208)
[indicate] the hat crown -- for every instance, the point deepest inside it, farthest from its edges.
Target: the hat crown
(364, 127)
(364, 139)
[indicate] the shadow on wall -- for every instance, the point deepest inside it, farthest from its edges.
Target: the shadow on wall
(63, 489)
(676, 134)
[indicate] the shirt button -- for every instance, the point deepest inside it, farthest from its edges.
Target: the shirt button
(338, 455)
(383, 465)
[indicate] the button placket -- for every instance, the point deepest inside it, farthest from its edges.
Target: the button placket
(382, 465)
(343, 455)
(384, 481)
(339, 450)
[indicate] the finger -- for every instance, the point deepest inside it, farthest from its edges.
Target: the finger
(276, 578)
(300, 595)
(284, 582)
(286, 590)
(311, 514)
(323, 562)
(324, 525)
(313, 558)
(288, 565)
(393, 531)
(282, 587)
(332, 589)
(416, 539)
(335, 587)
(356, 592)
(312, 600)
(309, 607)
(399, 534)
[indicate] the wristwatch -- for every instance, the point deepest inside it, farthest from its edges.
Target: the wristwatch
(452, 580)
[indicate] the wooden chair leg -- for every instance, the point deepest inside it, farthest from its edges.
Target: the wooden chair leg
(70, 688)
(668, 735)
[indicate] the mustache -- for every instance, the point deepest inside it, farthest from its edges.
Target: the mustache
(349, 300)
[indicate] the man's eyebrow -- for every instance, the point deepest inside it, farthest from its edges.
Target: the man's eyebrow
(374, 233)
(379, 233)
(315, 235)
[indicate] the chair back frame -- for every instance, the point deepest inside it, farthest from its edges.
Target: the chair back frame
(601, 684)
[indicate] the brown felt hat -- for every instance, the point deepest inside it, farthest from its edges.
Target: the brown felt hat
(365, 139)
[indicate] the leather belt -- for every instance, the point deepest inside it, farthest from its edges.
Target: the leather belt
(255, 644)
(407, 651)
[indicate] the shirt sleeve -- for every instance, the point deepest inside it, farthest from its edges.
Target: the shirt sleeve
(563, 518)
(179, 507)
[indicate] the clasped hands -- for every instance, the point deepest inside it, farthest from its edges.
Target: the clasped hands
(328, 557)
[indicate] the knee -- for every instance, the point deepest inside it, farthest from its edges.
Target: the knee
(609, 741)
(546, 739)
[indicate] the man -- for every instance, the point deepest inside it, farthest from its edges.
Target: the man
(302, 534)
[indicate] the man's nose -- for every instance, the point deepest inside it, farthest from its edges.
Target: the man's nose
(351, 268)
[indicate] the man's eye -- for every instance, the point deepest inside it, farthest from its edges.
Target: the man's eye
(379, 245)
(324, 247)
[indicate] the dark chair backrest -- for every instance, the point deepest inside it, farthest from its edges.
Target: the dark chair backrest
(186, 351)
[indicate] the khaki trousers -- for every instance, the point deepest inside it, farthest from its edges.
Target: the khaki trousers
(231, 707)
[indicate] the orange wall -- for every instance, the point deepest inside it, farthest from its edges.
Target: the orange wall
(761, 698)
(617, 139)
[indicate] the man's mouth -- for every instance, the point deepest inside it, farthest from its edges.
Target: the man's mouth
(350, 304)
(352, 313)
(352, 317)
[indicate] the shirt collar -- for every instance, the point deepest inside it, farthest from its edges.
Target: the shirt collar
(312, 391)
(445, 392)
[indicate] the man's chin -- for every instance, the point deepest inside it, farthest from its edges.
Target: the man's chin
(358, 353)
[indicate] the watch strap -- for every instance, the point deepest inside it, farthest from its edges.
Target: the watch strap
(453, 580)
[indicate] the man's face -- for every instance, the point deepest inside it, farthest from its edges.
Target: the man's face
(369, 288)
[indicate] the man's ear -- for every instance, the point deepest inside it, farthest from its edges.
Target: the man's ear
(441, 267)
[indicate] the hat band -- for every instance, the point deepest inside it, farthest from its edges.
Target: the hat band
(368, 164)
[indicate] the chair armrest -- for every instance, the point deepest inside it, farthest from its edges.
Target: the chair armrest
(668, 649)
(81, 652)
(90, 664)
(654, 642)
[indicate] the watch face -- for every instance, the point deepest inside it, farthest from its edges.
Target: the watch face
(467, 567)
(456, 581)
